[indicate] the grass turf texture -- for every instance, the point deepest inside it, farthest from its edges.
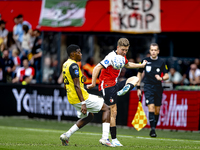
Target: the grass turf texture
(31, 134)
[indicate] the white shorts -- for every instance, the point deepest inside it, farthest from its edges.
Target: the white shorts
(93, 104)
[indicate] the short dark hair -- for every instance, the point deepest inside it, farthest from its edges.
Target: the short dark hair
(20, 16)
(154, 44)
(25, 28)
(2, 22)
(24, 58)
(72, 48)
(38, 31)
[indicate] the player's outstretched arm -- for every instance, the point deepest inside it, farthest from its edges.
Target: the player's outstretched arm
(130, 65)
(95, 74)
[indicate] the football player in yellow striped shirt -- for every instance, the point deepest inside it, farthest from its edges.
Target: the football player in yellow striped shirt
(86, 104)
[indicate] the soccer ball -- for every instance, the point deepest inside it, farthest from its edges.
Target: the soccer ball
(118, 62)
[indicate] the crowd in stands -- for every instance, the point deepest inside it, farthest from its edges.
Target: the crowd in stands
(20, 52)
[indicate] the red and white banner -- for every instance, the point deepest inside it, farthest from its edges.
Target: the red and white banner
(139, 16)
(180, 110)
(168, 19)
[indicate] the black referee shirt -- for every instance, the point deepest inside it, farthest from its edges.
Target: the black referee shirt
(153, 67)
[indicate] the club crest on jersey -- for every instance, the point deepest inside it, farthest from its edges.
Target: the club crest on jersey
(111, 100)
(148, 68)
(76, 72)
(106, 61)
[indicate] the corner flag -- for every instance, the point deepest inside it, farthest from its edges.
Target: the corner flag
(140, 119)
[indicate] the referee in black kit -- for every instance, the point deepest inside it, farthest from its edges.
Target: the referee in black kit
(152, 85)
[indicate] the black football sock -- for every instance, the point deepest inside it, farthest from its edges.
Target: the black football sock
(152, 120)
(113, 132)
(156, 119)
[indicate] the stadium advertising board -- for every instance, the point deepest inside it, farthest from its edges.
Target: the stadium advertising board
(180, 110)
(48, 101)
(36, 101)
(135, 16)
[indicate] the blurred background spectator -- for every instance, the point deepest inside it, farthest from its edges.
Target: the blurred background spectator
(16, 60)
(176, 78)
(87, 70)
(194, 74)
(37, 55)
(24, 73)
(47, 71)
(25, 48)
(11, 44)
(9, 66)
(2, 71)
(197, 62)
(3, 32)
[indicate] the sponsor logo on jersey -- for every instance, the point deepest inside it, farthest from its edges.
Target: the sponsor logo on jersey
(106, 61)
(76, 72)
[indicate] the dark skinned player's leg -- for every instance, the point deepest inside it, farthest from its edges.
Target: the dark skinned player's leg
(79, 124)
(82, 122)
(105, 113)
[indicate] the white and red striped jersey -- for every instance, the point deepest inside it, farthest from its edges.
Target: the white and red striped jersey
(17, 63)
(25, 72)
(109, 75)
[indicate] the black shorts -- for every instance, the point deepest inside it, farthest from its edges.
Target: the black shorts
(110, 94)
(153, 94)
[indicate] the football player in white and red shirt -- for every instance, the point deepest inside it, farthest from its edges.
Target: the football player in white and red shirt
(24, 73)
(108, 81)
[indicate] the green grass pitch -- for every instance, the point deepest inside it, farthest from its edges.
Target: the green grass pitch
(18, 133)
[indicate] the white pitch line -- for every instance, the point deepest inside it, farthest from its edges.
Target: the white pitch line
(86, 133)
(173, 140)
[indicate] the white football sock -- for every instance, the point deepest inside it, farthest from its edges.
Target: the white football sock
(73, 129)
(105, 130)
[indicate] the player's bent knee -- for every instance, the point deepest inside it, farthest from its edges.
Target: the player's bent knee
(105, 107)
(133, 80)
(91, 116)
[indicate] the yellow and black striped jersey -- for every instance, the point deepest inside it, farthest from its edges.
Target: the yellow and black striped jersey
(70, 71)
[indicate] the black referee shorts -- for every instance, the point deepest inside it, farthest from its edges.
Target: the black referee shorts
(110, 94)
(153, 94)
